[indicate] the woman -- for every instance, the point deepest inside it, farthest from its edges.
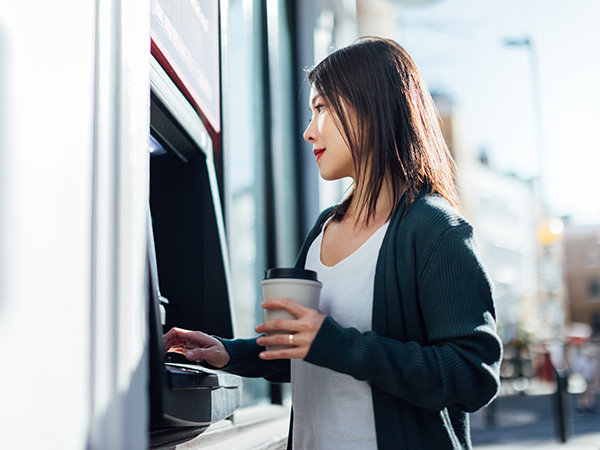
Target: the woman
(404, 343)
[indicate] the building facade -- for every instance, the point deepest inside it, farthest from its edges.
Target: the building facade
(582, 275)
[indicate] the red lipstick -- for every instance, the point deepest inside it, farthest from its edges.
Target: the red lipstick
(318, 153)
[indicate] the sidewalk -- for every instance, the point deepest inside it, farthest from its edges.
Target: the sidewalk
(519, 421)
(586, 442)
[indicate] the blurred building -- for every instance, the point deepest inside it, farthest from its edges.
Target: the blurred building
(582, 275)
(505, 224)
(520, 252)
(555, 318)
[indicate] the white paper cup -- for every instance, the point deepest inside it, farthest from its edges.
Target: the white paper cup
(300, 285)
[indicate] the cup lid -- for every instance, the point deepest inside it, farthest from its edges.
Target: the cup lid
(291, 272)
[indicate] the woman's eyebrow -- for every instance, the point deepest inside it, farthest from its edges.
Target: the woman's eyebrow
(314, 101)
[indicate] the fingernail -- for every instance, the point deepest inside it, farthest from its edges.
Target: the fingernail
(189, 354)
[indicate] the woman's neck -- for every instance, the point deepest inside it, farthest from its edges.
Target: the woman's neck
(357, 213)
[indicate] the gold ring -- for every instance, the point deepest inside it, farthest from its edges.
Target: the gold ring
(291, 339)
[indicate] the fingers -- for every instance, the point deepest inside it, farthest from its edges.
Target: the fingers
(280, 325)
(298, 340)
(299, 350)
(178, 340)
(304, 316)
(196, 346)
(175, 336)
(286, 353)
(304, 329)
(290, 306)
(195, 354)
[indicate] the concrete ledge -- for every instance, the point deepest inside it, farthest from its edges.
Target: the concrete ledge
(263, 427)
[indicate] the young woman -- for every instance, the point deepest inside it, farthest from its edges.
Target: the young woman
(404, 343)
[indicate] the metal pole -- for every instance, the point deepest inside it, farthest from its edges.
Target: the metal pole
(537, 110)
(536, 102)
(563, 405)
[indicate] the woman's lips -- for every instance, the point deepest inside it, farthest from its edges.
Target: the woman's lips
(318, 153)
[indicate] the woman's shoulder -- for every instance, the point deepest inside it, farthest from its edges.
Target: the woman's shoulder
(432, 214)
(431, 225)
(437, 206)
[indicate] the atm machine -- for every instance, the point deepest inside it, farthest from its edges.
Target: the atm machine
(187, 257)
(187, 260)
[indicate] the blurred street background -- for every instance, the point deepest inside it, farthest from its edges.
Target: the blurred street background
(516, 84)
(533, 418)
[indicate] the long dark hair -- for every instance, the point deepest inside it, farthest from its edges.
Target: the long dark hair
(386, 114)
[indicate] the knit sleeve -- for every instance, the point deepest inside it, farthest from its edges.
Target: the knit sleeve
(246, 362)
(459, 362)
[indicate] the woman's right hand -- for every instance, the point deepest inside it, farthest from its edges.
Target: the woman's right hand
(196, 346)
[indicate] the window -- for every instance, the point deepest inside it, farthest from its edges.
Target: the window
(593, 291)
(261, 136)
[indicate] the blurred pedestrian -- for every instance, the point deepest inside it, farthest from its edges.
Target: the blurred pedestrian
(544, 367)
(585, 364)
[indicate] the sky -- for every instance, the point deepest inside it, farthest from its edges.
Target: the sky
(459, 48)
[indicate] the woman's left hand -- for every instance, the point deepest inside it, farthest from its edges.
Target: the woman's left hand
(304, 329)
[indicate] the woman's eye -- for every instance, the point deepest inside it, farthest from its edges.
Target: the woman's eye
(319, 107)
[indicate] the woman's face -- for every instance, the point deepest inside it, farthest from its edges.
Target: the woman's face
(331, 150)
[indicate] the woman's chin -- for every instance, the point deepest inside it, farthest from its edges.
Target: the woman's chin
(327, 176)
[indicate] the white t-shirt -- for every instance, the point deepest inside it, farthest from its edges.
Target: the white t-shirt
(333, 410)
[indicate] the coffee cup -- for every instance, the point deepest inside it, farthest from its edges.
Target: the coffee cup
(300, 285)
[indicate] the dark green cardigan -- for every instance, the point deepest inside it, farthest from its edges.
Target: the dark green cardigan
(433, 354)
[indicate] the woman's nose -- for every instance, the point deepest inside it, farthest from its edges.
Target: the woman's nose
(309, 133)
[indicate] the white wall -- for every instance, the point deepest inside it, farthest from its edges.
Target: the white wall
(72, 251)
